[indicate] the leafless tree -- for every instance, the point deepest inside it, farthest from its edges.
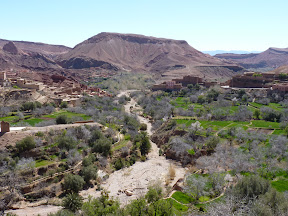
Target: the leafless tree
(195, 186)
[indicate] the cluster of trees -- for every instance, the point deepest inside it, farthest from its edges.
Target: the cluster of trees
(152, 204)
(252, 195)
(125, 81)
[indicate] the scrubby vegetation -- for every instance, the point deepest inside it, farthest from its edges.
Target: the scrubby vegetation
(233, 142)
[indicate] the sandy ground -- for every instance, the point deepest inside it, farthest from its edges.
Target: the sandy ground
(43, 210)
(135, 178)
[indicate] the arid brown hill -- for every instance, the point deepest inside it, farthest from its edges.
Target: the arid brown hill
(281, 70)
(170, 58)
(30, 47)
(272, 58)
(11, 57)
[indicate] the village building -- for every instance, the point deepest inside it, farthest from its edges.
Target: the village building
(167, 86)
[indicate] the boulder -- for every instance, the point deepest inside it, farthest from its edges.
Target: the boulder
(128, 193)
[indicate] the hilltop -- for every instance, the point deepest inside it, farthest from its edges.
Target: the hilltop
(141, 53)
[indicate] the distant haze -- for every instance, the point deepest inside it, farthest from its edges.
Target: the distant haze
(214, 52)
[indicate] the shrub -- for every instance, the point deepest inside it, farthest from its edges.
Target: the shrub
(101, 206)
(63, 104)
(119, 163)
(28, 106)
(62, 119)
(171, 172)
(143, 127)
(39, 134)
(95, 136)
(26, 144)
(72, 202)
(67, 143)
(88, 160)
(251, 187)
(102, 145)
(154, 193)
(271, 203)
(201, 99)
(212, 143)
(63, 212)
(73, 183)
(270, 114)
(89, 173)
(145, 144)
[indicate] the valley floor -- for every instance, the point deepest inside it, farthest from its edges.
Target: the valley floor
(134, 179)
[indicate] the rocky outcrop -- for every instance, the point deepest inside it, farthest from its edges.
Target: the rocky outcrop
(85, 62)
(42, 48)
(10, 48)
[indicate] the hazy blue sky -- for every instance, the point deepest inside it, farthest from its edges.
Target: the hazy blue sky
(205, 24)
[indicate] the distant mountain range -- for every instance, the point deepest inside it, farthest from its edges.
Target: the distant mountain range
(117, 52)
(270, 58)
(215, 52)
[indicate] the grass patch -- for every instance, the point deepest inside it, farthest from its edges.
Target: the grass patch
(204, 199)
(274, 106)
(182, 197)
(33, 121)
(280, 185)
(68, 114)
(191, 151)
(41, 163)
(184, 102)
(9, 119)
(179, 206)
(264, 124)
(278, 132)
(120, 145)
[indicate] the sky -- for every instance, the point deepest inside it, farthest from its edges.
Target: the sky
(205, 24)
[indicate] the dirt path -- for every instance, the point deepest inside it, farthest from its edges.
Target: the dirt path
(137, 178)
(33, 211)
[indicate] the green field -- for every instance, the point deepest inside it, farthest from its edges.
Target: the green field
(280, 185)
(120, 145)
(41, 163)
(218, 125)
(180, 102)
(178, 206)
(264, 124)
(68, 114)
(9, 118)
(182, 197)
(33, 121)
(274, 106)
(29, 119)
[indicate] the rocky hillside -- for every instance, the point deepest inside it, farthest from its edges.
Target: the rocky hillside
(11, 57)
(32, 47)
(272, 58)
(113, 52)
(141, 53)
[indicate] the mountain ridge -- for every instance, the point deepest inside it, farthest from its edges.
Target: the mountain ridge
(272, 57)
(133, 52)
